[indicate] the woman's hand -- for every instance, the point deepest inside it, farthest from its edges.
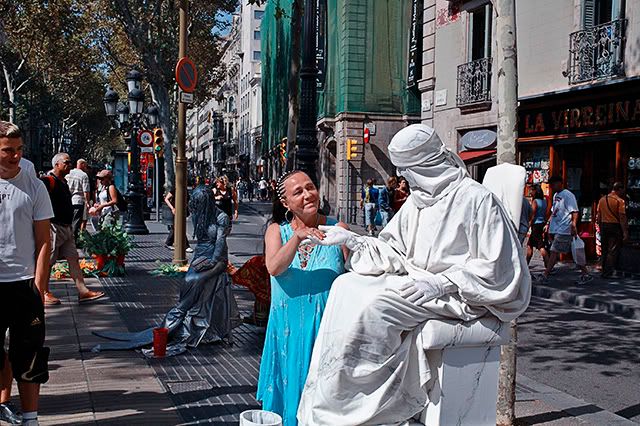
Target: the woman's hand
(307, 233)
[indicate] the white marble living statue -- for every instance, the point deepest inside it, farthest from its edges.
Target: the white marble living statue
(450, 253)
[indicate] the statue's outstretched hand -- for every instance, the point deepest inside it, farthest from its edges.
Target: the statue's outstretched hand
(423, 291)
(337, 236)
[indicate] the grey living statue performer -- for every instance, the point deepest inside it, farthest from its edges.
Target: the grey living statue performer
(206, 308)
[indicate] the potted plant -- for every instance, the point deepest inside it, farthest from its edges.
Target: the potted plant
(109, 246)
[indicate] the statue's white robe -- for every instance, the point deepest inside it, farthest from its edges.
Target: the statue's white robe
(369, 366)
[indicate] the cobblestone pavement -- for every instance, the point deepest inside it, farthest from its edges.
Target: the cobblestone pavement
(212, 383)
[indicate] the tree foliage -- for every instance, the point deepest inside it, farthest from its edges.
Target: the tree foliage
(69, 49)
(144, 34)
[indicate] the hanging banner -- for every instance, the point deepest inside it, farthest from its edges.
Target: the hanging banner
(321, 41)
(415, 44)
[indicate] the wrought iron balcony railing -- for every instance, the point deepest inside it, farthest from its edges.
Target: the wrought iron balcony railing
(597, 53)
(474, 83)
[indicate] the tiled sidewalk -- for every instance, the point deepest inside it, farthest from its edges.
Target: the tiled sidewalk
(89, 388)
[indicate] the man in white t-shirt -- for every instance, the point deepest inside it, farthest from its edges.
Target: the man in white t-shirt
(263, 185)
(563, 227)
(80, 188)
(25, 211)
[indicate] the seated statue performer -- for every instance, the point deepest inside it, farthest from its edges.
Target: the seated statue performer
(206, 310)
(450, 253)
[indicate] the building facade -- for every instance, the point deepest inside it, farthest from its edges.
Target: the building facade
(363, 59)
(579, 94)
(249, 89)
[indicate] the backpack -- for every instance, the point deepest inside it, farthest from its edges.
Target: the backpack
(121, 203)
(51, 180)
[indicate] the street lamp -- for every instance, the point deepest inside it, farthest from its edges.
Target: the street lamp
(130, 119)
(152, 115)
(110, 102)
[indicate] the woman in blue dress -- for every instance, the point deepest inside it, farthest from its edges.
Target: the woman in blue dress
(301, 276)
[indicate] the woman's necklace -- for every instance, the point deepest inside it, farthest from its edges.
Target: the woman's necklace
(305, 250)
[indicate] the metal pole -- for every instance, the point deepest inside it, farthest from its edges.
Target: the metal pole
(157, 182)
(306, 138)
(135, 216)
(180, 220)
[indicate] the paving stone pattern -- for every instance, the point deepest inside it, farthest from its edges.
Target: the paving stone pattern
(209, 384)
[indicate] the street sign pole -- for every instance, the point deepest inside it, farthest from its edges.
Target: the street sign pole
(156, 180)
(180, 224)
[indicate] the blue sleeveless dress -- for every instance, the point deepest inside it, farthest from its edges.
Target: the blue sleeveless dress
(298, 298)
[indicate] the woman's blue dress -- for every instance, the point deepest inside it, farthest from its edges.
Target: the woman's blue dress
(298, 299)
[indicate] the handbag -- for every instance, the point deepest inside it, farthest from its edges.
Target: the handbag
(577, 251)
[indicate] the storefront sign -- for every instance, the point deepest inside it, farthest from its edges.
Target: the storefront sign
(415, 44)
(600, 116)
(479, 139)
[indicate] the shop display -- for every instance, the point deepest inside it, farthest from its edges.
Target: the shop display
(633, 196)
(536, 162)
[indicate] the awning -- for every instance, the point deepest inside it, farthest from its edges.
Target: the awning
(472, 156)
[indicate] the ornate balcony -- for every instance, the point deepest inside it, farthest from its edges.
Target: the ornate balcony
(474, 84)
(597, 53)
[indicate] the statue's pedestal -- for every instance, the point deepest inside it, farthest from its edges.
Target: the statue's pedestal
(465, 361)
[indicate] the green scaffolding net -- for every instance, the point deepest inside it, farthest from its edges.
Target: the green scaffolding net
(365, 66)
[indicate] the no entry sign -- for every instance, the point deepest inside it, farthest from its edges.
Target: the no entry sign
(186, 74)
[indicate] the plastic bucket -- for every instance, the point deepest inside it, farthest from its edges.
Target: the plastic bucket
(260, 417)
(160, 341)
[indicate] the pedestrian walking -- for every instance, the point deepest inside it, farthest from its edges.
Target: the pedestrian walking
(62, 242)
(80, 188)
(250, 189)
(401, 194)
(25, 211)
(614, 228)
(301, 276)
(368, 202)
(526, 214)
(262, 186)
(385, 199)
(106, 199)
(563, 228)
(224, 199)
(169, 218)
(537, 239)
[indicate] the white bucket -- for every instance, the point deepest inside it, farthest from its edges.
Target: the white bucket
(260, 418)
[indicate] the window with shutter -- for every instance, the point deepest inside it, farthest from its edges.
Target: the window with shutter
(588, 14)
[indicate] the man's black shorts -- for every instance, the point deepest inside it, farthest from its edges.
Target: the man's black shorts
(22, 312)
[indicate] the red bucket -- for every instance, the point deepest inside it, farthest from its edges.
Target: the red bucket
(160, 341)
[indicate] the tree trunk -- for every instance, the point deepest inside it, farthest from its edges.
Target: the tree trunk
(507, 80)
(294, 81)
(507, 135)
(10, 93)
(162, 99)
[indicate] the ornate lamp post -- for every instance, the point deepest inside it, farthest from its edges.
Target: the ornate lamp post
(130, 119)
(306, 137)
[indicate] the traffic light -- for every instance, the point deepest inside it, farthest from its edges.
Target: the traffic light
(158, 142)
(352, 149)
(283, 150)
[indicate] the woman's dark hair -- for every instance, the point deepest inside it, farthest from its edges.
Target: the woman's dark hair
(279, 211)
(538, 194)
